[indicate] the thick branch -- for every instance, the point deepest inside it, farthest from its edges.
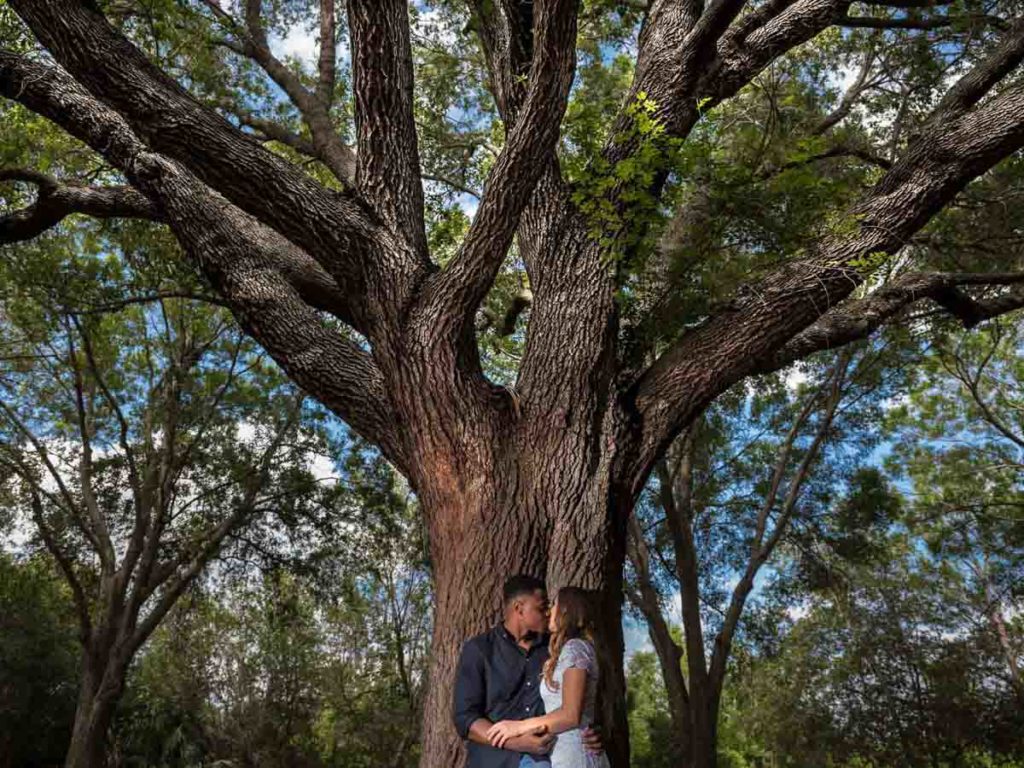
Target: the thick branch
(740, 57)
(382, 81)
(904, 23)
(683, 61)
(56, 201)
(50, 92)
(458, 291)
(505, 31)
(970, 88)
(242, 259)
(855, 320)
(761, 321)
(269, 284)
(333, 227)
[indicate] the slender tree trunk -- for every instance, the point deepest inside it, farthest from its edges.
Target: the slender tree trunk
(669, 659)
(1006, 645)
(670, 655)
(102, 686)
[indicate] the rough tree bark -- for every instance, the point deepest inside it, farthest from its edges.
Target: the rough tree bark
(541, 479)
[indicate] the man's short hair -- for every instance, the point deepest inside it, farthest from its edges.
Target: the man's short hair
(519, 585)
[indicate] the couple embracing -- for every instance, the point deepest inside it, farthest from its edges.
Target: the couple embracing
(525, 690)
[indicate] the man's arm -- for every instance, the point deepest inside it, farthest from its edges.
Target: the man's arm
(591, 738)
(470, 693)
(536, 744)
(469, 702)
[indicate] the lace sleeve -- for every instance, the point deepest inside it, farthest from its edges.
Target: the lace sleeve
(580, 654)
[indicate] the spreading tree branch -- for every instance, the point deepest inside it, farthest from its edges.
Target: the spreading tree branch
(903, 22)
(64, 562)
(314, 106)
(936, 167)
(270, 285)
(972, 87)
(855, 320)
(388, 156)
(335, 228)
(180, 571)
(56, 201)
(505, 29)
(459, 289)
(761, 550)
(50, 92)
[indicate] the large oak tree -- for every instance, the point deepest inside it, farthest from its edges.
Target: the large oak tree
(336, 280)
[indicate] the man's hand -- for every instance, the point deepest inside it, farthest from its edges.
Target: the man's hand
(591, 738)
(534, 743)
(500, 733)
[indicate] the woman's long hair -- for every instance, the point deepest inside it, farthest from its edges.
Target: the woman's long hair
(576, 610)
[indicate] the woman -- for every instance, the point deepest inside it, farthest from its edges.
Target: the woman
(568, 687)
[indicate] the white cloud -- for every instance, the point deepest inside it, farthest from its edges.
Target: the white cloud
(322, 468)
(795, 376)
(299, 43)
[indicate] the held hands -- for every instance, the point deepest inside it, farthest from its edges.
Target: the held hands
(500, 734)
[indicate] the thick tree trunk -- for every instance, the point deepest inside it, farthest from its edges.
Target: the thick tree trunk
(471, 562)
(518, 515)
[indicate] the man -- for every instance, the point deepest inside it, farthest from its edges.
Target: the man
(498, 677)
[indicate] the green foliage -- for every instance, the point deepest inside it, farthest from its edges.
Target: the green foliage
(321, 668)
(883, 672)
(869, 263)
(616, 196)
(649, 719)
(39, 658)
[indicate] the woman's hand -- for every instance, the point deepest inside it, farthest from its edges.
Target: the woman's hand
(500, 733)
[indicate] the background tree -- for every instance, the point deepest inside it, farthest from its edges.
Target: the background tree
(960, 445)
(293, 648)
(881, 669)
(283, 663)
(515, 479)
(137, 443)
(760, 464)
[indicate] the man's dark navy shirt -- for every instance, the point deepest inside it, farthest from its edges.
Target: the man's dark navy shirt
(497, 680)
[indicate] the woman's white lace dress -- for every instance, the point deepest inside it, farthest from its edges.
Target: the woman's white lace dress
(568, 751)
